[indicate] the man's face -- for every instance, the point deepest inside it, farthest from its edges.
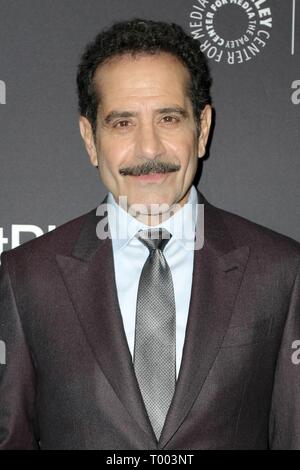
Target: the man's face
(146, 142)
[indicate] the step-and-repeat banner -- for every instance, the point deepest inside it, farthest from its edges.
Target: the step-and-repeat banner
(253, 167)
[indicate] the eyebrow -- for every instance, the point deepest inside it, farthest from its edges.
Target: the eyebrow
(127, 114)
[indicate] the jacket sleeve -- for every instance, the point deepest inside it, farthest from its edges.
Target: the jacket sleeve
(18, 427)
(284, 429)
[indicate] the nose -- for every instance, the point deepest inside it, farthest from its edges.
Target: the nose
(149, 144)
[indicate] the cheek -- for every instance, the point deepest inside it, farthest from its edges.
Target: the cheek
(184, 150)
(113, 154)
(182, 141)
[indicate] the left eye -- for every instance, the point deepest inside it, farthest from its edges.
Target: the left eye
(170, 119)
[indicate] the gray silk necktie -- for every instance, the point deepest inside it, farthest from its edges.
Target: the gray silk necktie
(155, 330)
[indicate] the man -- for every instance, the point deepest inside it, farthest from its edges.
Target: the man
(137, 341)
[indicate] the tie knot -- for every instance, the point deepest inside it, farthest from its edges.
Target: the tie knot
(154, 238)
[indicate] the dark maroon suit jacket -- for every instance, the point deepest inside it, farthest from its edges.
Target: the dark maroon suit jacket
(69, 383)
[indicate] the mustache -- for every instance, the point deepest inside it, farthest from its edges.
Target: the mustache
(150, 166)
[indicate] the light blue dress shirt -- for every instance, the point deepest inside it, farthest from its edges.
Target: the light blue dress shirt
(130, 255)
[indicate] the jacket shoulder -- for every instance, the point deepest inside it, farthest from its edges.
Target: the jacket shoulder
(260, 238)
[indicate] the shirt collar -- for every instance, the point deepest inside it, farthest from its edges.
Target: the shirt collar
(123, 226)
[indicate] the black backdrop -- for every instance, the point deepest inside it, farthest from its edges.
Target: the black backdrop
(253, 165)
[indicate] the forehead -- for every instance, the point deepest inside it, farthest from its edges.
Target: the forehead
(128, 77)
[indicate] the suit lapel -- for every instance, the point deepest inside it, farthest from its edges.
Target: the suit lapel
(217, 275)
(90, 281)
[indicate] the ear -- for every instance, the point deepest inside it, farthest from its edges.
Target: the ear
(204, 125)
(88, 137)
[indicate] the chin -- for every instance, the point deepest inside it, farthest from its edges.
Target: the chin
(151, 199)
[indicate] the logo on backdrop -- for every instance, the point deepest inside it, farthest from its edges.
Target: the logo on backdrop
(293, 27)
(295, 97)
(231, 31)
(296, 354)
(2, 352)
(17, 232)
(2, 92)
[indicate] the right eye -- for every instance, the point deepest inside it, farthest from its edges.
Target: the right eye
(122, 124)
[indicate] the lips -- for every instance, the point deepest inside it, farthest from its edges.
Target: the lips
(152, 177)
